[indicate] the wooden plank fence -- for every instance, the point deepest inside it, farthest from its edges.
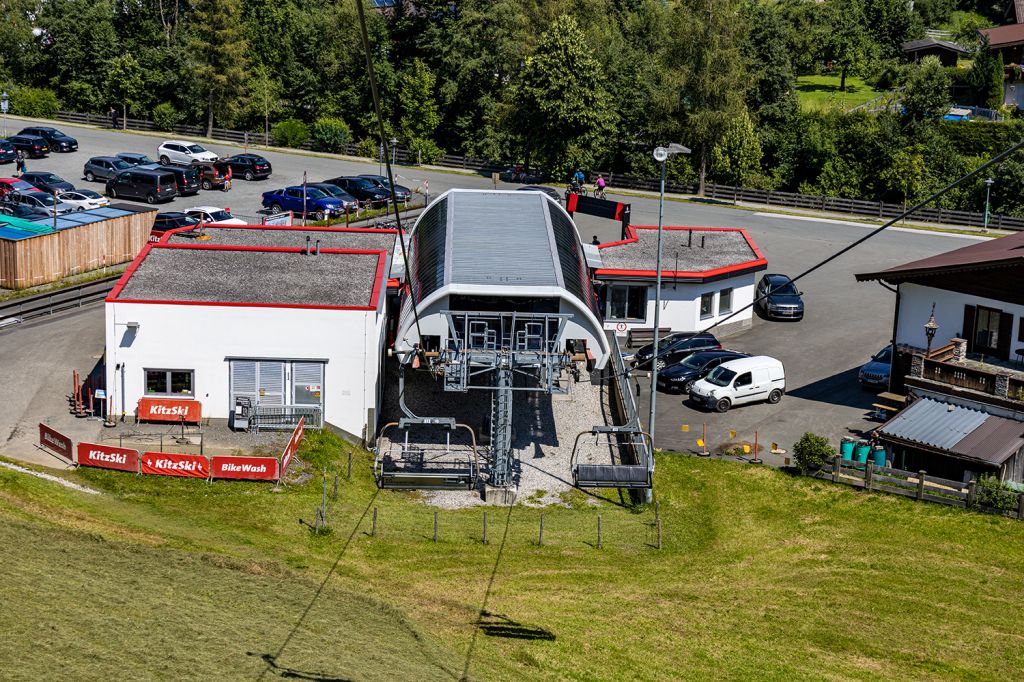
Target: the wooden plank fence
(860, 207)
(919, 486)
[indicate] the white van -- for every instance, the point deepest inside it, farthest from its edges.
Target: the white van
(745, 380)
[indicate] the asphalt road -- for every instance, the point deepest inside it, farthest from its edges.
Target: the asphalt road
(845, 322)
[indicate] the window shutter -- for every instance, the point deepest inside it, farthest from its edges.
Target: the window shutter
(243, 379)
(1005, 335)
(968, 330)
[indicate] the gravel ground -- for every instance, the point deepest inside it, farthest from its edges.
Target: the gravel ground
(544, 432)
(218, 439)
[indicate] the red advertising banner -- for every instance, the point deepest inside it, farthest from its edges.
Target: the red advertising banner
(108, 457)
(167, 464)
(250, 468)
(170, 410)
(293, 445)
(56, 442)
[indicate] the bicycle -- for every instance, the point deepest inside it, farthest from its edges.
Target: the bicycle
(599, 193)
(575, 188)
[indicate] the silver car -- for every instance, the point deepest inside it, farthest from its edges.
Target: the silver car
(40, 203)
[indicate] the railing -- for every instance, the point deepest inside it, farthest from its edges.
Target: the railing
(1015, 389)
(874, 209)
(643, 452)
(285, 417)
(943, 353)
(962, 377)
(75, 296)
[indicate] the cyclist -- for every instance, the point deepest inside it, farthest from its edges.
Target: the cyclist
(600, 187)
(579, 177)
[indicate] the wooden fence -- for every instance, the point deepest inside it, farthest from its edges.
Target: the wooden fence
(51, 256)
(860, 207)
(919, 486)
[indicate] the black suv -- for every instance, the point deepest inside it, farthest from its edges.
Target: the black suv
(678, 378)
(186, 177)
(149, 185)
(674, 348)
(249, 166)
(59, 142)
(170, 221)
(35, 147)
(7, 152)
(402, 193)
(363, 189)
(778, 298)
(46, 181)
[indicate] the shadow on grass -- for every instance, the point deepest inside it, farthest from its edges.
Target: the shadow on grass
(292, 673)
(828, 88)
(497, 625)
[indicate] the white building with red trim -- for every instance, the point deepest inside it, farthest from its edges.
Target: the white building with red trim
(708, 273)
(286, 317)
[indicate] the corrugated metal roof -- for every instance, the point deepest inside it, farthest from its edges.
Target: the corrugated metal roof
(500, 238)
(16, 229)
(938, 425)
(994, 441)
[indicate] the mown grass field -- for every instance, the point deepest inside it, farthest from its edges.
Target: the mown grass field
(822, 92)
(762, 576)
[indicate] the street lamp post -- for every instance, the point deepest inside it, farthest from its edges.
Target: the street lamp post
(930, 327)
(661, 155)
(394, 151)
(988, 195)
(4, 99)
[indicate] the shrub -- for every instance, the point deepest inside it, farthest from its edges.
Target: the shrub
(994, 493)
(811, 452)
(165, 116)
(34, 102)
(424, 150)
(367, 148)
(331, 133)
(290, 133)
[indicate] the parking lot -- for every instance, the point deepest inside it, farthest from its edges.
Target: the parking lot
(844, 324)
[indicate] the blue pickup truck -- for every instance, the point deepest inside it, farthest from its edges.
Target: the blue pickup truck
(317, 203)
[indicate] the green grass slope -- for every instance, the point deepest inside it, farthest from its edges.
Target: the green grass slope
(822, 92)
(762, 576)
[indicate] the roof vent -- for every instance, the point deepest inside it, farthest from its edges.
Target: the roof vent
(950, 408)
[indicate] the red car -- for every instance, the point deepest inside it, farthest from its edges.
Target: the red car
(14, 185)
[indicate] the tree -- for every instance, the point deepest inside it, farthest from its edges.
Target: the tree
(891, 23)
(926, 90)
(843, 37)
(219, 50)
(705, 54)
(772, 91)
(562, 109)
(263, 96)
(906, 173)
(812, 452)
(124, 83)
(986, 76)
(737, 157)
(419, 112)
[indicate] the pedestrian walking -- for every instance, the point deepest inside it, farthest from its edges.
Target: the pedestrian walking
(20, 165)
(595, 241)
(113, 117)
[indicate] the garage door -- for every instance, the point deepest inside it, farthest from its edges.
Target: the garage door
(260, 381)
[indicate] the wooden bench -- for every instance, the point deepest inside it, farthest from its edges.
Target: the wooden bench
(889, 408)
(638, 336)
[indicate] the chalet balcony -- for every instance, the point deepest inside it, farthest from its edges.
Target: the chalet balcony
(950, 369)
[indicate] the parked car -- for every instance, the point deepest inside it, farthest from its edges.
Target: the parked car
(876, 371)
(35, 147)
(83, 199)
(249, 166)
(211, 215)
(349, 202)
(183, 152)
(778, 298)
(58, 141)
(169, 221)
(403, 194)
(551, 192)
(41, 203)
(186, 176)
(291, 199)
(680, 377)
(46, 181)
(18, 211)
(104, 167)
(14, 185)
(367, 192)
(213, 174)
(148, 185)
(746, 380)
(675, 347)
(8, 153)
(135, 158)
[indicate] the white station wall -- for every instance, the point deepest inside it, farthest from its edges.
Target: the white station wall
(201, 337)
(916, 305)
(680, 304)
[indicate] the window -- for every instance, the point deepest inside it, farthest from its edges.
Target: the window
(725, 301)
(169, 382)
(707, 304)
(626, 302)
(744, 379)
(1020, 329)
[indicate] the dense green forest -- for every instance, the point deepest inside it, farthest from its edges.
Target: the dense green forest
(557, 85)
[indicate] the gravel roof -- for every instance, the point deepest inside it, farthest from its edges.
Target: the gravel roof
(708, 250)
(264, 236)
(272, 277)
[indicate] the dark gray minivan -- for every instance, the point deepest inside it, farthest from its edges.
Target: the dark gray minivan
(150, 186)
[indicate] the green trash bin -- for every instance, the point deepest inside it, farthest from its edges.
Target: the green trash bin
(846, 448)
(862, 451)
(879, 455)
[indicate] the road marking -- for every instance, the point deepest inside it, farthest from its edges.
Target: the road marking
(867, 226)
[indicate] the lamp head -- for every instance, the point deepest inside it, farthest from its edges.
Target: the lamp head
(660, 154)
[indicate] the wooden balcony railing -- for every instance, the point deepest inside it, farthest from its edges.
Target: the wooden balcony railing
(962, 377)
